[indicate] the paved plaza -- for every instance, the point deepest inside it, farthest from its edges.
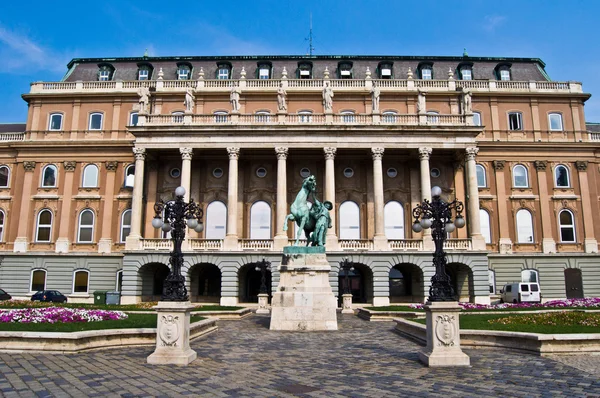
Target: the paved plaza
(245, 359)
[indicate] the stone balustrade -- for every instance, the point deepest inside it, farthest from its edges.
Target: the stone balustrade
(5, 137)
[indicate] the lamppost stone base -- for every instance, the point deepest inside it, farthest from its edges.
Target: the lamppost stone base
(443, 336)
(173, 334)
(347, 304)
(263, 304)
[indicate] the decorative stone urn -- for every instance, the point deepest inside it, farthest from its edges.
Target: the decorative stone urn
(173, 334)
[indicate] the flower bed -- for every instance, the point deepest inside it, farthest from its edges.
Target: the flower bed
(590, 302)
(59, 315)
(560, 318)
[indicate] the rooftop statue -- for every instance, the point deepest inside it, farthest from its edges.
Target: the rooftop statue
(234, 97)
(144, 100)
(190, 100)
(281, 98)
(327, 97)
(314, 221)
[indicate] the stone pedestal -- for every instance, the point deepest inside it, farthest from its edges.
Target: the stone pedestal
(173, 334)
(347, 304)
(304, 300)
(443, 336)
(263, 304)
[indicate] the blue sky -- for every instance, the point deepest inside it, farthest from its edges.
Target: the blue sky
(38, 38)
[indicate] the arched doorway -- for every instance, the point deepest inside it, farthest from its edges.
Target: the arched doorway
(153, 277)
(406, 284)
(461, 278)
(205, 283)
(360, 280)
(249, 282)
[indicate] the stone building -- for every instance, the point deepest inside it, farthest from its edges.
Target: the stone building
(100, 147)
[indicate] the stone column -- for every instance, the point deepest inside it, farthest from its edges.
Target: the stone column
(105, 243)
(590, 242)
(62, 242)
(231, 239)
(548, 242)
(504, 243)
(331, 238)
(379, 240)
(134, 240)
(424, 155)
(477, 240)
(22, 241)
(186, 171)
(281, 238)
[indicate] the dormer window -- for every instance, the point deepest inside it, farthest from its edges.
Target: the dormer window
(503, 72)
(385, 70)
(305, 70)
(184, 71)
(466, 73)
(105, 72)
(425, 71)
(264, 70)
(224, 71)
(144, 72)
(345, 70)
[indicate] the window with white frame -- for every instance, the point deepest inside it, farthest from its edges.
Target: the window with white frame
(143, 73)
(566, 223)
(125, 225)
(349, 220)
(515, 121)
(49, 176)
(393, 215)
(262, 117)
(104, 75)
(223, 71)
(555, 121)
(129, 175)
(221, 117)
(466, 73)
(432, 117)
(38, 280)
(477, 119)
(55, 122)
(4, 176)
(133, 119)
(481, 180)
(529, 275)
(520, 179)
(492, 281)
(385, 70)
(95, 121)
(216, 220)
(348, 117)
(260, 220)
(264, 71)
(2, 217)
(85, 233)
(304, 70)
(81, 280)
(177, 117)
(44, 226)
(90, 176)
(426, 72)
(183, 72)
(389, 117)
(304, 116)
(504, 74)
(484, 221)
(561, 176)
(119, 281)
(524, 226)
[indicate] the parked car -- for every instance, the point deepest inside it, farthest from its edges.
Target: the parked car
(4, 295)
(49, 296)
(521, 292)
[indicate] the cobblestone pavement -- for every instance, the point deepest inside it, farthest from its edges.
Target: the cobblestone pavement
(245, 359)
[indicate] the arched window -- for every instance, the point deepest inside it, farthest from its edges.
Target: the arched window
(119, 281)
(555, 121)
(432, 117)
(260, 220)
(177, 117)
(529, 275)
(216, 220)
(133, 119)
(49, 176)
(566, 223)
(129, 175)
(393, 215)
(348, 117)
(305, 116)
(484, 221)
(125, 225)
(85, 232)
(561, 176)
(520, 179)
(389, 117)
(95, 121)
(4, 176)
(221, 117)
(2, 217)
(44, 226)
(90, 176)
(55, 122)
(349, 220)
(262, 117)
(524, 226)
(477, 119)
(38, 280)
(81, 280)
(492, 281)
(481, 182)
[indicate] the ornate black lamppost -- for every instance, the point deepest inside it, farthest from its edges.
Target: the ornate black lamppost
(347, 266)
(437, 215)
(176, 215)
(263, 266)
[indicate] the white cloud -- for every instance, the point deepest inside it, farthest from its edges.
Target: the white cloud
(21, 55)
(491, 22)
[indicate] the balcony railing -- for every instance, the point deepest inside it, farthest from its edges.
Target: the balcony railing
(5, 137)
(458, 244)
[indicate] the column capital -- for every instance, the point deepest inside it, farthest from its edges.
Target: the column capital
(377, 153)
(186, 153)
(540, 165)
(234, 153)
(330, 153)
(281, 152)
(498, 164)
(111, 165)
(69, 165)
(424, 153)
(139, 153)
(29, 166)
(581, 165)
(471, 152)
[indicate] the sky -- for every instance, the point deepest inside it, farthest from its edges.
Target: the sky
(39, 38)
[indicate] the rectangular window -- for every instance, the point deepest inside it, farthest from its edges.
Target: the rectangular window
(304, 74)
(183, 74)
(96, 121)
(504, 74)
(263, 73)
(223, 74)
(466, 74)
(556, 121)
(38, 281)
(386, 73)
(524, 288)
(143, 74)
(81, 282)
(426, 74)
(56, 122)
(515, 121)
(104, 75)
(476, 119)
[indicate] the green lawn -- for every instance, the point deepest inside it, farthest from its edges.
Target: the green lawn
(405, 308)
(132, 322)
(130, 307)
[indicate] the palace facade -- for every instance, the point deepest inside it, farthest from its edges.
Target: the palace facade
(100, 147)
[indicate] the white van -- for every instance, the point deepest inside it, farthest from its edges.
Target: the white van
(521, 292)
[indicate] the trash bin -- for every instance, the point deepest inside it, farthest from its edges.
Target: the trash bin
(100, 297)
(113, 298)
